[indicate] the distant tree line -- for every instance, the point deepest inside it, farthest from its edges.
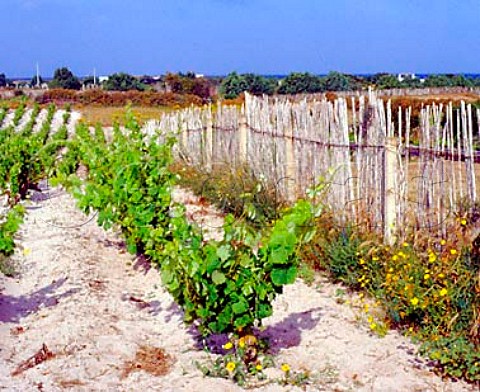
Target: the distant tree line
(300, 83)
(232, 85)
(3, 80)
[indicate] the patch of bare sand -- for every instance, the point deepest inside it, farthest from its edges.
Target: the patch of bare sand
(107, 323)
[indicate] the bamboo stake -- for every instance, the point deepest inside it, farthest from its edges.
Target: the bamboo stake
(473, 191)
(459, 150)
(389, 213)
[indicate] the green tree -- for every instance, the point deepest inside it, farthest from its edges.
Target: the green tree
(64, 78)
(33, 81)
(3, 80)
(387, 81)
(233, 85)
(437, 81)
(461, 81)
(259, 85)
(89, 80)
(123, 82)
(336, 81)
(300, 83)
(410, 82)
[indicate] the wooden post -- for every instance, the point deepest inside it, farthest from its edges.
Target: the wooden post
(243, 138)
(389, 205)
(291, 167)
(470, 152)
(209, 139)
(184, 130)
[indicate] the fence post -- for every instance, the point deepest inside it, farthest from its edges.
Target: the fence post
(291, 168)
(184, 130)
(209, 138)
(243, 138)
(389, 194)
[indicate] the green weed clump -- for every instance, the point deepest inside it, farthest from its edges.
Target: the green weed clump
(245, 361)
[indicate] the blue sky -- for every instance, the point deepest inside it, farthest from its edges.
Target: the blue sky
(218, 36)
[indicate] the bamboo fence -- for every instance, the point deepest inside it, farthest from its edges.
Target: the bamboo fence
(406, 92)
(357, 145)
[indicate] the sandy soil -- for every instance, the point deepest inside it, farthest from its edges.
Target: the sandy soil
(82, 311)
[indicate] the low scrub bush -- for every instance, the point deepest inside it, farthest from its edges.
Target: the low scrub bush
(237, 191)
(429, 287)
(118, 98)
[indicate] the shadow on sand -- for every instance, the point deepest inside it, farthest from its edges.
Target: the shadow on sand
(13, 309)
(284, 334)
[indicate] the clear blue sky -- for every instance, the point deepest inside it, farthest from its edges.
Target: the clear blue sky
(219, 36)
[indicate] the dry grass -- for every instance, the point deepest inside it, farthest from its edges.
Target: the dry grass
(42, 355)
(106, 116)
(152, 360)
(454, 97)
(68, 384)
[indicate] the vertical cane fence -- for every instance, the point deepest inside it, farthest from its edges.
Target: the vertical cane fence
(382, 173)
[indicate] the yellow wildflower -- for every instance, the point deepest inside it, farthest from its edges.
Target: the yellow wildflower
(285, 368)
(441, 276)
(453, 251)
(259, 366)
(394, 257)
(443, 292)
(443, 242)
(426, 276)
(375, 258)
(230, 366)
(361, 261)
(373, 326)
(405, 244)
(414, 301)
(241, 342)
(228, 346)
(432, 257)
(463, 222)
